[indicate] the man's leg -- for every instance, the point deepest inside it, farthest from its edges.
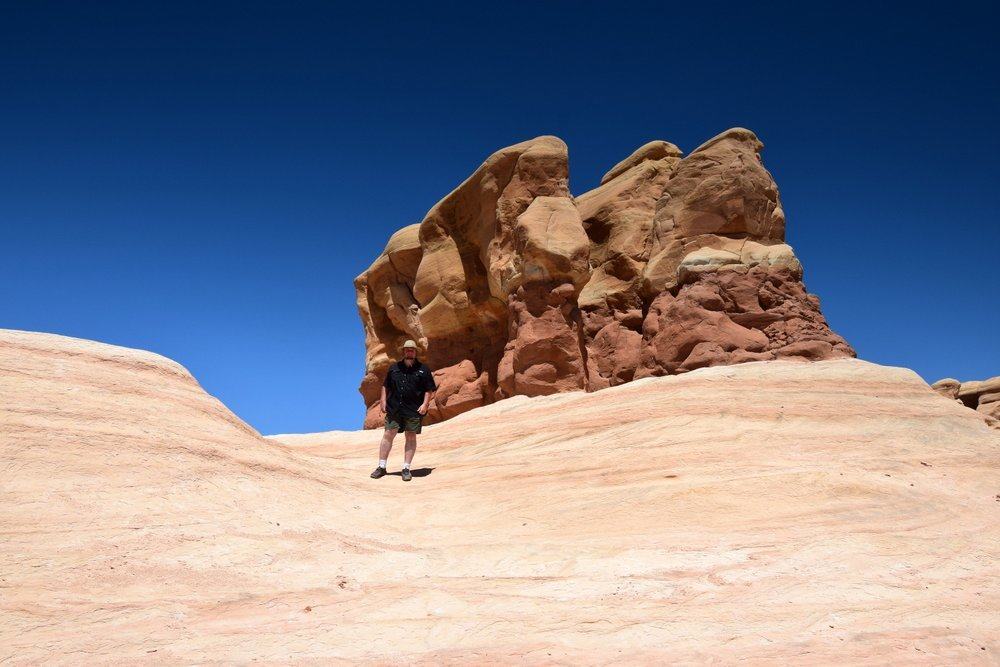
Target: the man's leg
(411, 428)
(386, 446)
(383, 451)
(410, 448)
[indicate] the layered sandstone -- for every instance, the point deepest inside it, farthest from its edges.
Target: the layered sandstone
(837, 512)
(513, 287)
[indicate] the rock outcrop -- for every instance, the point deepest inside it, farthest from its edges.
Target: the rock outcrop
(947, 387)
(511, 286)
(839, 511)
(980, 395)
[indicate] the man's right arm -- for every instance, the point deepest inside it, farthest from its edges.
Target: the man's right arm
(386, 390)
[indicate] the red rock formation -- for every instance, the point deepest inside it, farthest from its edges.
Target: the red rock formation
(511, 286)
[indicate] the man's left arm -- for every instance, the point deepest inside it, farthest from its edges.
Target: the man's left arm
(430, 388)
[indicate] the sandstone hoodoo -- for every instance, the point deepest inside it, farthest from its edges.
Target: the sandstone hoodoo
(512, 286)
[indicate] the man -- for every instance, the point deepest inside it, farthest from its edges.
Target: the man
(406, 394)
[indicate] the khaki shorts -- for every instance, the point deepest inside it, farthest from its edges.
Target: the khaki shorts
(395, 422)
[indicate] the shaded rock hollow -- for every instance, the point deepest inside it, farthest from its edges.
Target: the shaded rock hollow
(512, 286)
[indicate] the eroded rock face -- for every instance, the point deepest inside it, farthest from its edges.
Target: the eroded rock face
(445, 282)
(551, 252)
(511, 286)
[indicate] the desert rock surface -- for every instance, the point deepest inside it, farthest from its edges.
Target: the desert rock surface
(830, 512)
(512, 286)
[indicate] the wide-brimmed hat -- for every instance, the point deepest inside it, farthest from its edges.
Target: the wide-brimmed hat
(409, 343)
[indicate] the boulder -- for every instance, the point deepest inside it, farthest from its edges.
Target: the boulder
(654, 150)
(984, 397)
(947, 387)
(980, 395)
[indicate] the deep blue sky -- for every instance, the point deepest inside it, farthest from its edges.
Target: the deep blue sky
(204, 180)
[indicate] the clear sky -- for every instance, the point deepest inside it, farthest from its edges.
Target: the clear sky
(204, 180)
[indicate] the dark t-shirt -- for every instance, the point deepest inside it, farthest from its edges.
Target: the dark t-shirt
(405, 387)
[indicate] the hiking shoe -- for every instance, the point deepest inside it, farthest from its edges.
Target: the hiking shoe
(406, 475)
(378, 472)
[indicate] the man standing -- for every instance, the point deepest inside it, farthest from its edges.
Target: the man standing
(410, 387)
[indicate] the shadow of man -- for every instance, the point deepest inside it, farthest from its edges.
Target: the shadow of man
(416, 472)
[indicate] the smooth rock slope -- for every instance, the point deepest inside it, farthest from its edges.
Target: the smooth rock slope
(828, 512)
